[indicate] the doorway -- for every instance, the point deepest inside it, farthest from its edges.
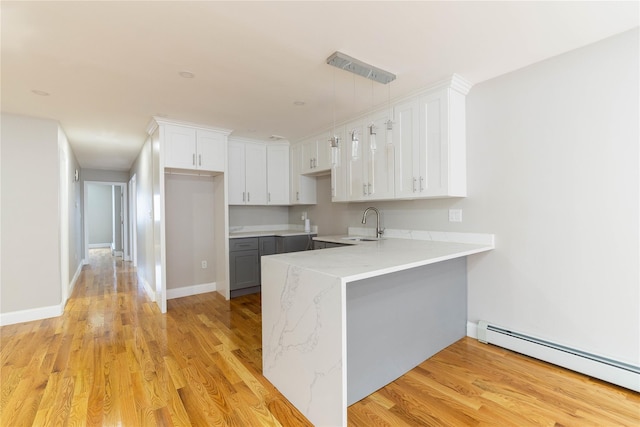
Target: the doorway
(105, 219)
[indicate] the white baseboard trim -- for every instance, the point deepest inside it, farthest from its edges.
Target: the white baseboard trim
(186, 291)
(147, 288)
(30, 315)
(591, 364)
(118, 253)
(74, 280)
(99, 245)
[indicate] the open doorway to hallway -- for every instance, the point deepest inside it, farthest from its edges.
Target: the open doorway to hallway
(105, 219)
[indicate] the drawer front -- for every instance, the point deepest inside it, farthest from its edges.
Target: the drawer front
(243, 244)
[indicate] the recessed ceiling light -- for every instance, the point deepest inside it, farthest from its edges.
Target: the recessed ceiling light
(186, 74)
(298, 103)
(40, 92)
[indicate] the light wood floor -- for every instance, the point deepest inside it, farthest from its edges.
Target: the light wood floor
(113, 359)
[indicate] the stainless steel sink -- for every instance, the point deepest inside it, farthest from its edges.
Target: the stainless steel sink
(361, 239)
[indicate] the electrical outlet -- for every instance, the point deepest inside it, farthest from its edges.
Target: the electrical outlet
(455, 215)
(204, 264)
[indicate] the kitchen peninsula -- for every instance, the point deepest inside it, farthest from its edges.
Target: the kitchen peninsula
(338, 324)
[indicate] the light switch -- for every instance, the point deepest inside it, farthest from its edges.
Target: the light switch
(455, 215)
(204, 264)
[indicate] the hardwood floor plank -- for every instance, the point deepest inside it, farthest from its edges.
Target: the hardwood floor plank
(114, 359)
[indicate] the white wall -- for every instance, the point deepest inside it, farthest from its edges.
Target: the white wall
(143, 169)
(71, 217)
(99, 213)
(30, 275)
(553, 172)
(553, 160)
(189, 225)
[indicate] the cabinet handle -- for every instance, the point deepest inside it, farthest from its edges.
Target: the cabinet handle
(199, 159)
(364, 189)
(421, 184)
(297, 196)
(315, 163)
(310, 163)
(415, 181)
(193, 159)
(243, 196)
(269, 197)
(248, 196)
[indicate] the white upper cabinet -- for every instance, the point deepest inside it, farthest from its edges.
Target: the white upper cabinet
(316, 154)
(247, 173)
(190, 148)
(303, 188)
(278, 174)
(430, 143)
(210, 148)
(370, 159)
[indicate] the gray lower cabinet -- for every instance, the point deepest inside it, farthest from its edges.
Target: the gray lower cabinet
(244, 263)
(294, 243)
(244, 266)
(267, 245)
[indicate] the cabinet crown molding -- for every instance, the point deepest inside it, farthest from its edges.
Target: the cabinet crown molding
(156, 121)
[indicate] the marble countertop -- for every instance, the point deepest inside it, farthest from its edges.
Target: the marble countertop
(366, 259)
(279, 230)
(279, 233)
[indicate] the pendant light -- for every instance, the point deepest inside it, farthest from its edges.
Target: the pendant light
(372, 127)
(390, 121)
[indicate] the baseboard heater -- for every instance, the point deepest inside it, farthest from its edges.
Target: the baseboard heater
(615, 372)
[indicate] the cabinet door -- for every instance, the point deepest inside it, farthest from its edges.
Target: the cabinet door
(236, 174)
(256, 173)
(408, 155)
(244, 269)
(211, 151)
(323, 153)
(180, 147)
(278, 174)
(303, 188)
(309, 155)
(267, 245)
(433, 142)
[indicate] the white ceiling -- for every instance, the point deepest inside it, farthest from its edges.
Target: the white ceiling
(110, 66)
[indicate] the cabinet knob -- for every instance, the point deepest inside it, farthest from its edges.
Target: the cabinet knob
(415, 181)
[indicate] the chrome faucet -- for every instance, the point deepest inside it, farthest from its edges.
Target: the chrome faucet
(379, 230)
